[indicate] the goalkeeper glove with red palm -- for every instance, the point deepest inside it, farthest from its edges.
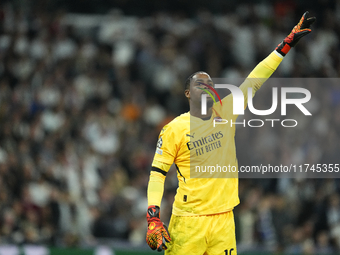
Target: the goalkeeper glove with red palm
(299, 31)
(157, 233)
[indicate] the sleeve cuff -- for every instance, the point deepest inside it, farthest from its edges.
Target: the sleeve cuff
(278, 54)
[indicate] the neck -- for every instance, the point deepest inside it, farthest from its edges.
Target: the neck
(196, 112)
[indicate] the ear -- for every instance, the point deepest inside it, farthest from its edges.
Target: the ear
(187, 93)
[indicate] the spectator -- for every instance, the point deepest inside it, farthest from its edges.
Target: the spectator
(80, 114)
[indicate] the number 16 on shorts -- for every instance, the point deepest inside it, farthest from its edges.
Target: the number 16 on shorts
(228, 252)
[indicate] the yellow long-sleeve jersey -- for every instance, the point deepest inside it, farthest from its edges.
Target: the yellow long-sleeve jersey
(192, 144)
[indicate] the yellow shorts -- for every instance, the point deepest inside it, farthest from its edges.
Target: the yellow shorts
(202, 235)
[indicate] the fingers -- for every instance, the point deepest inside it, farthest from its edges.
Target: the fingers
(152, 244)
(305, 15)
(159, 244)
(158, 238)
(153, 240)
(306, 29)
(311, 20)
(160, 248)
(165, 233)
(303, 33)
(307, 22)
(301, 21)
(164, 247)
(162, 239)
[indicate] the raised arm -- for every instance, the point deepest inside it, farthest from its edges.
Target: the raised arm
(266, 67)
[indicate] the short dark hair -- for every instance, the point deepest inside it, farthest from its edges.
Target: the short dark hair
(187, 82)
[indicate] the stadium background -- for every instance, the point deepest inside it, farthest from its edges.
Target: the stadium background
(85, 87)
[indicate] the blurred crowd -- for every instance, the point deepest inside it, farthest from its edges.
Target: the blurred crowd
(84, 97)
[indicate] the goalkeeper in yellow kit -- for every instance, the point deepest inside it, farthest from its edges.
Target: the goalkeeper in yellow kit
(202, 220)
